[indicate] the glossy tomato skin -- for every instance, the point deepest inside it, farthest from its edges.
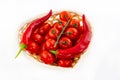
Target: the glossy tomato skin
(58, 25)
(65, 15)
(33, 47)
(46, 57)
(44, 28)
(49, 45)
(37, 38)
(46, 37)
(65, 43)
(65, 63)
(63, 22)
(72, 33)
(76, 24)
(53, 33)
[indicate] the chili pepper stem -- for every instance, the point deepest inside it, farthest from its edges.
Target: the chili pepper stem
(53, 52)
(22, 47)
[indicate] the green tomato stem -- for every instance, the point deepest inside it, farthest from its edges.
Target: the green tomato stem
(22, 47)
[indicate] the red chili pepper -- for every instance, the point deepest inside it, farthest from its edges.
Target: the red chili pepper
(32, 26)
(78, 48)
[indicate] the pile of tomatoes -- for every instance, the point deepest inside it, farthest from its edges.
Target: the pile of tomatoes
(43, 38)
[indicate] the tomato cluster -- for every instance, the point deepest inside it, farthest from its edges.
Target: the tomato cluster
(44, 39)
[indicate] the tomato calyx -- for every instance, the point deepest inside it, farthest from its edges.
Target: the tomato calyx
(64, 42)
(75, 25)
(53, 32)
(68, 33)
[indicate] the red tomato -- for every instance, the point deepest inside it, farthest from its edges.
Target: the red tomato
(46, 57)
(65, 16)
(76, 24)
(53, 33)
(37, 38)
(58, 25)
(44, 28)
(72, 33)
(46, 37)
(33, 47)
(65, 63)
(49, 44)
(65, 43)
(63, 22)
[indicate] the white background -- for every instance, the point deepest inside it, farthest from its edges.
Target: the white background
(101, 61)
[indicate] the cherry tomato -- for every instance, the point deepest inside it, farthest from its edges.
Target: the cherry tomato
(65, 63)
(65, 43)
(46, 57)
(37, 38)
(76, 24)
(46, 37)
(33, 47)
(53, 33)
(44, 28)
(63, 22)
(72, 33)
(58, 25)
(65, 16)
(49, 44)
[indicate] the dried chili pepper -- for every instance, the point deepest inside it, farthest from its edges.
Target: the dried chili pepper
(32, 26)
(78, 48)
